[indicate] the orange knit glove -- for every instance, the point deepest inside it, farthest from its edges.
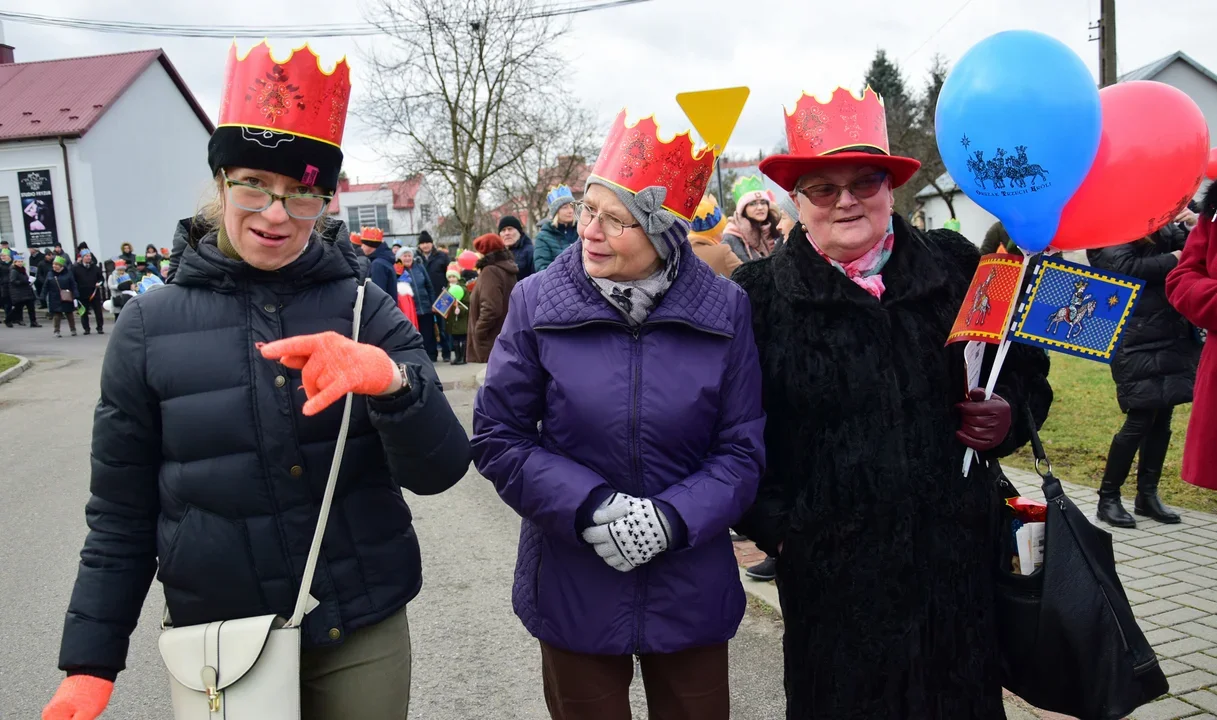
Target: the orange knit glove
(80, 697)
(332, 366)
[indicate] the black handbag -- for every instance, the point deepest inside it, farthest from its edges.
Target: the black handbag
(1067, 637)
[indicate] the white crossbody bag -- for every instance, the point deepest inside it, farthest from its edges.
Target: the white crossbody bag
(249, 669)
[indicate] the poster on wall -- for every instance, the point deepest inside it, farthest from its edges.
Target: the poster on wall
(37, 208)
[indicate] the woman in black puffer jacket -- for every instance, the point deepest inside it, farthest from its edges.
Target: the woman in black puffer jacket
(1154, 369)
(210, 460)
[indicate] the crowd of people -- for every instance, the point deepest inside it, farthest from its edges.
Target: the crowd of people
(658, 376)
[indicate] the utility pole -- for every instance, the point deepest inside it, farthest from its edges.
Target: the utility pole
(1106, 28)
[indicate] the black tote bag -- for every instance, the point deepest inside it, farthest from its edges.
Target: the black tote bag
(1068, 640)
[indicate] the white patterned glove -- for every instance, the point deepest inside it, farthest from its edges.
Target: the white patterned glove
(632, 539)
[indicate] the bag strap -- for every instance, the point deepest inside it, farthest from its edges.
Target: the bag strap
(314, 551)
(1052, 486)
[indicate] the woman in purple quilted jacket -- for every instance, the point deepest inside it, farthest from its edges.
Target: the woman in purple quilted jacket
(621, 418)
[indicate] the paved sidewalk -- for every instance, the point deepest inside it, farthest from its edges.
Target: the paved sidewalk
(1170, 575)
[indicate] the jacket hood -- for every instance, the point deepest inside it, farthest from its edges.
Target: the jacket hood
(383, 253)
(203, 265)
(502, 258)
(1209, 208)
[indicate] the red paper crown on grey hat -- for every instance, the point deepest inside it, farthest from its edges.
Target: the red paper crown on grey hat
(845, 129)
(285, 116)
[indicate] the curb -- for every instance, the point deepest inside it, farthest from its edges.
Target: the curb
(22, 365)
(765, 592)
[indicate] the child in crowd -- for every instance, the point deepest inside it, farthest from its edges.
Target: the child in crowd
(458, 318)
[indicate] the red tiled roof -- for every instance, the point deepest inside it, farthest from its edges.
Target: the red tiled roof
(64, 98)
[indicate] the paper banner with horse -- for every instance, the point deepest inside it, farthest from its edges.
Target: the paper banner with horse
(1074, 309)
(990, 300)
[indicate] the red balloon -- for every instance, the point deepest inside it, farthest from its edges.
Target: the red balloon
(468, 260)
(1211, 173)
(1152, 158)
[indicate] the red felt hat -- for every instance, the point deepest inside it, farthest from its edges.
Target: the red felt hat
(846, 129)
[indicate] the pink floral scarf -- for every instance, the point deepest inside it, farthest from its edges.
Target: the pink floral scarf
(865, 271)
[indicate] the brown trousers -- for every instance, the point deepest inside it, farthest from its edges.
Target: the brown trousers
(687, 685)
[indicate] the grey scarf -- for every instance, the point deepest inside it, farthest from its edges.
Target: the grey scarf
(635, 299)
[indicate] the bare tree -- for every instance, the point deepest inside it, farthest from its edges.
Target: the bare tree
(563, 141)
(447, 95)
(932, 166)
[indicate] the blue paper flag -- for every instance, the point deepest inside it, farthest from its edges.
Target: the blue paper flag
(1075, 309)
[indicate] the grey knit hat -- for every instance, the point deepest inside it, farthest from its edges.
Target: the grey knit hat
(665, 230)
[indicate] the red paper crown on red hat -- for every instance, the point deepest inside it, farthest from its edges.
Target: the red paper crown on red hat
(371, 234)
(846, 128)
(291, 96)
(635, 158)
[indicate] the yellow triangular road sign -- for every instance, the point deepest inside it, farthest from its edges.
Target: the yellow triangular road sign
(714, 113)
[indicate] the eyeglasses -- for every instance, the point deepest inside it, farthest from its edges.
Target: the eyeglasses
(827, 194)
(302, 206)
(611, 226)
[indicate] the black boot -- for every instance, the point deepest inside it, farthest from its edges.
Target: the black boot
(1119, 462)
(1112, 512)
(1149, 472)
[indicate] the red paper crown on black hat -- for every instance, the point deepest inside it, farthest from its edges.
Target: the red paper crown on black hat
(371, 234)
(292, 96)
(635, 158)
(846, 128)
(285, 116)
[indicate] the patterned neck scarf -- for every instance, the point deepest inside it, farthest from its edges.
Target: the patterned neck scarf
(865, 271)
(635, 299)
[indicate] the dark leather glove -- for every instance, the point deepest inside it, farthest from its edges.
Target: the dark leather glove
(983, 424)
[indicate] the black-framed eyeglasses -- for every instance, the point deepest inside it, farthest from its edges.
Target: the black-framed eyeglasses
(826, 194)
(302, 206)
(611, 226)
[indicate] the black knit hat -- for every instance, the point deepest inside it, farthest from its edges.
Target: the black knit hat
(511, 221)
(292, 155)
(425, 237)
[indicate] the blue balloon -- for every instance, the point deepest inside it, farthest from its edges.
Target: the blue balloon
(1018, 125)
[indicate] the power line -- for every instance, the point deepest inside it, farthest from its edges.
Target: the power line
(935, 33)
(259, 31)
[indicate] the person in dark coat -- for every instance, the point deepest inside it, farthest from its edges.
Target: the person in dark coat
(458, 319)
(558, 232)
(424, 297)
(221, 405)
(621, 418)
(6, 269)
(436, 263)
(380, 260)
(58, 303)
(90, 281)
(1154, 369)
(21, 294)
(518, 242)
(885, 549)
(488, 303)
(42, 270)
(127, 254)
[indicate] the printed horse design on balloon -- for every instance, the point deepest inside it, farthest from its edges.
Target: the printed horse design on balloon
(981, 306)
(1080, 308)
(1016, 169)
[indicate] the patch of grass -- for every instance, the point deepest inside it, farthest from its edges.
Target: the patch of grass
(7, 361)
(1078, 434)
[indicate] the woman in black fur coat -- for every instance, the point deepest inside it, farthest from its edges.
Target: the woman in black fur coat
(886, 553)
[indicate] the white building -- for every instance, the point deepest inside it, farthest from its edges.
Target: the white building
(1177, 70)
(402, 208)
(102, 150)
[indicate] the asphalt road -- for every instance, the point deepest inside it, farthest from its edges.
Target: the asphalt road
(472, 657)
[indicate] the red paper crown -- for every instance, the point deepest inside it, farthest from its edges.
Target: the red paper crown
(635, 158)
(845, 128)
(371, 234)
(290, 96)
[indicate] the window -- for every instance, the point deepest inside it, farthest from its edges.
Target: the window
(368, 216)
(6, 223)
(424, 212)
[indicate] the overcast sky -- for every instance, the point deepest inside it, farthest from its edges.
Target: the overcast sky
(641, 56)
